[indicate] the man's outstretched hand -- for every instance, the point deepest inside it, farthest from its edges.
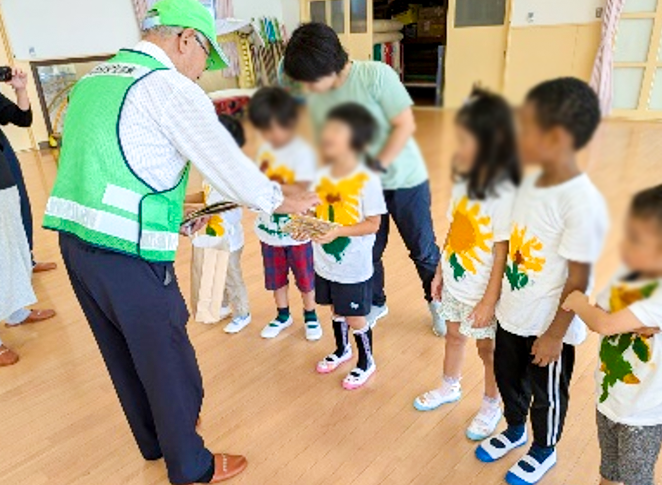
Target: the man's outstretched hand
(298, 204)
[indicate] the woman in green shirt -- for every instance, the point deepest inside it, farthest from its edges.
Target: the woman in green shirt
(315, 58)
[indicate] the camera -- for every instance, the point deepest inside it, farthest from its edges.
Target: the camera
(5, 74)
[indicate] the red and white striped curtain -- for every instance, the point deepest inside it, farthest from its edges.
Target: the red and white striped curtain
(224, 8)
(603, 69)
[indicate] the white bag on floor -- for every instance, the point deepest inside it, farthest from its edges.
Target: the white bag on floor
(209, 267)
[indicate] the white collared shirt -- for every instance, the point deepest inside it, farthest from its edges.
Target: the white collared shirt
(167, 120)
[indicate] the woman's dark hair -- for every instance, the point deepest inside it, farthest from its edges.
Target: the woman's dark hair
(234, 127)
(361, 123)
(567, 102)
(489, 119)
(314, 52)
(647, 204)
(273, 105)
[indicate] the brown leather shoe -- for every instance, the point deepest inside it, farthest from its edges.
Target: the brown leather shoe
(227, 467)
(35, 316)
(7, 356)
(43, 267)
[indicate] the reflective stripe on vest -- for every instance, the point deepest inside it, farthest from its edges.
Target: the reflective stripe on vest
(111, 225)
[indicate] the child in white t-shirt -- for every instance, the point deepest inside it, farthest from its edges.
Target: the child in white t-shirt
(559, 223)
(468, 280)
(287, 159)
(629, 375)
(228, 226)
(352, 197)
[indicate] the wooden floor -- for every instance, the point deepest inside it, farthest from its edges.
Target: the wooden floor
(61, 422)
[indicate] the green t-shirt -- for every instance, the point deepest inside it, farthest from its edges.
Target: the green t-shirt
(377, 87)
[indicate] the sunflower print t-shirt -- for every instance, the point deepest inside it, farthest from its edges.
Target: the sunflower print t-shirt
(629, 373)
(347, 201)
(295, 162)
(550, 227)
(475, 226)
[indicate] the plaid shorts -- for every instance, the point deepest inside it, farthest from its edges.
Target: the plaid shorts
(279, 260)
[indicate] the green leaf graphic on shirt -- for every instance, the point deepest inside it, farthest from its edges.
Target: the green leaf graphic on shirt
(517, 279)
(210, 231)
(337, 247)
(458, 270)
(615, 366)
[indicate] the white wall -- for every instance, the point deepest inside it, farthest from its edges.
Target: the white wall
(286, 11)
(554, 12)
(48, 29)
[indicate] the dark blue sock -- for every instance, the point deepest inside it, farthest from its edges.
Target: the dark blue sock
(513, 433)
(540, 453)
(283, 314)
(310, 316)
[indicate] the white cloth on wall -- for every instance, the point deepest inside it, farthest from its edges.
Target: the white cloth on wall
(224, 9)
(603, 69)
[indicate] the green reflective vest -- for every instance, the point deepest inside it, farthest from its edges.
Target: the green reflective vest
(97, 197)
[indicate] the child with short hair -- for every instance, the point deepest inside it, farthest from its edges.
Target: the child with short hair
(288, 160)
(559, 223)
(629, 377)
(468, 282)
(228, 226)
(352, 197)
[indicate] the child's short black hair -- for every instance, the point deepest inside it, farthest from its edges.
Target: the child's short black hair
(361, 123)
(570, 103)
(234, 126)
(647, 204)
(489, 118)
(273, 105)
(314, 52)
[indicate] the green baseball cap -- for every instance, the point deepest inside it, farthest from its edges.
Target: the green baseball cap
(189, 14)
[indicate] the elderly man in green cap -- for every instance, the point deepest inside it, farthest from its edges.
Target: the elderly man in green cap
(134, 125)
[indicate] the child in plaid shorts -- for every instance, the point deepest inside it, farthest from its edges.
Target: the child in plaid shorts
(290, 161)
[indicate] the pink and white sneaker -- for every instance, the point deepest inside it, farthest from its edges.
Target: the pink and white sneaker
(358, 377)
(331, 362)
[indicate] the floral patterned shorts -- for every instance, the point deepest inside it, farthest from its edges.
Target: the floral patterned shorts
(453, 310)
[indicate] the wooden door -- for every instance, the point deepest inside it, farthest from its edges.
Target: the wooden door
(351, 19)
(476, 47)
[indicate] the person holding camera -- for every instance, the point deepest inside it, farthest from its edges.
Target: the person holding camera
(19, 114)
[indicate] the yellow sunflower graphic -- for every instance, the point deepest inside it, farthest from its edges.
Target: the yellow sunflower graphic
(276, 173)
(340, 201)
(522, 258)
(466, 237)
(340, 204)
(215, 227)
(613, 362)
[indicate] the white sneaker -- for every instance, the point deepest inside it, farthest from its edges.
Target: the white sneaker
(358, 377)
(446, 394)
(485, 422)
(496, 447)
(438, 323)
(529, 471)
(237, 324)
(313, 331)
(273, 329)
(376, 313)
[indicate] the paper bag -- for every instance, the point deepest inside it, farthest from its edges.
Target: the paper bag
(209, 267)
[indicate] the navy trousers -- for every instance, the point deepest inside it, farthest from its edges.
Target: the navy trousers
(17, 173)
(138, 316)
(410, 210)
